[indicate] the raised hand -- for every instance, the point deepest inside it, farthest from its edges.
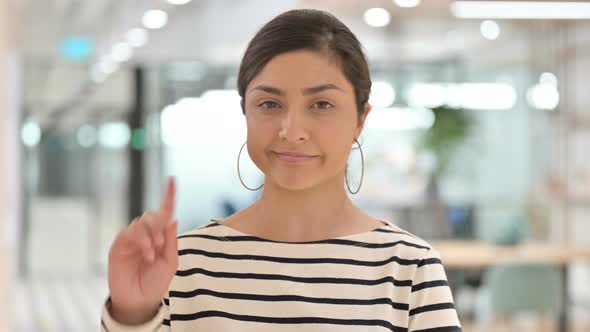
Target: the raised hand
(142, 261)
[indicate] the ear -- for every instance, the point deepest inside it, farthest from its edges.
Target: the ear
(361, 123)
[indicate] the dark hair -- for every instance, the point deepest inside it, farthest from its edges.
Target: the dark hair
(313, 30)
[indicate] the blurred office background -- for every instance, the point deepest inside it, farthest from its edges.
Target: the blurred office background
(478, 142)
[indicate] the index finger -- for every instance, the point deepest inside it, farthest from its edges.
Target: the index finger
(167, 207)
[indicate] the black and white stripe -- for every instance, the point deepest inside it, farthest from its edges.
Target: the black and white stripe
(383, 280)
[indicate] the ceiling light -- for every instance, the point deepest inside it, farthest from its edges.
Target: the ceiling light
(487, 96)
(490, 29)
(428, 95)
(404, 118)
(543, 96)
(31, 134)
(377, 17)
(121, 52)
(155, 19)
(475, 96)
(521, 9)
(114, 135)
(548, 78)
(108, 66)
(137, 37)
(407, 3)
(382, 94)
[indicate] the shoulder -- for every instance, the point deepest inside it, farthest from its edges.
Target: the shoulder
(396, 233)
(408, 245)
(207, 232)
(205, 228)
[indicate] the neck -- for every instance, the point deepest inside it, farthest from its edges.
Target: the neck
(322, 209)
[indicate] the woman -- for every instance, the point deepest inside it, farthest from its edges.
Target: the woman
(302, 257)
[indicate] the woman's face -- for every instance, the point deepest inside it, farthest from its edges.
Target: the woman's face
(302, 120)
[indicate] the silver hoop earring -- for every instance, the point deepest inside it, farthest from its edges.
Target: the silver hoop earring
(240, 175)
(362, 171)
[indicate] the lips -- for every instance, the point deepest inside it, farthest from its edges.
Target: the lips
(294, 156)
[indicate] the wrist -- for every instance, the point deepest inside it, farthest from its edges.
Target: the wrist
(131, 316)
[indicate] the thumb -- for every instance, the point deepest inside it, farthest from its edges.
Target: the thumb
(171, 250)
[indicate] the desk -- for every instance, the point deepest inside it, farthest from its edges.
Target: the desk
(478, 255)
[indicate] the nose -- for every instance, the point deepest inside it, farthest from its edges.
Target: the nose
(293, 128)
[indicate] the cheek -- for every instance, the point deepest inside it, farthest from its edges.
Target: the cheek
(260, 126)
(336, 142)
(260, 137)
(256, 153)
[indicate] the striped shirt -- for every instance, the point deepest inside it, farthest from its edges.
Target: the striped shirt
(381, 280)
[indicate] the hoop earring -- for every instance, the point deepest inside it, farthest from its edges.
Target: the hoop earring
(362, 171)
(240, 175)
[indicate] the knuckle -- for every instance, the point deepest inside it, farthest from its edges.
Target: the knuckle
(149, 218)
(150, 214)
(133, 222)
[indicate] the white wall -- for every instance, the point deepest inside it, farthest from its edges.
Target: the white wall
(577, 88)
(9, 162)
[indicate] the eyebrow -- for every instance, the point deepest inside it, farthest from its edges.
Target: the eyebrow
(306, 91)
(320, 88)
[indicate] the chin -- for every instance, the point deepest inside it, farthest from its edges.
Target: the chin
(295, 184)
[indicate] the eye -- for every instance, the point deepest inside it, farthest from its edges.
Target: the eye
(268, 104)
(323, 105)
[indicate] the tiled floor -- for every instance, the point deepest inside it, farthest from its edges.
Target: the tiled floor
(469, 304)
(60, 305)
(547, 326)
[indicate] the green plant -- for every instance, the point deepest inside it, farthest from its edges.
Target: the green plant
(451, 127)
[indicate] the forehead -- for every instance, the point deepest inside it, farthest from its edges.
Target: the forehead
(301, 69)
